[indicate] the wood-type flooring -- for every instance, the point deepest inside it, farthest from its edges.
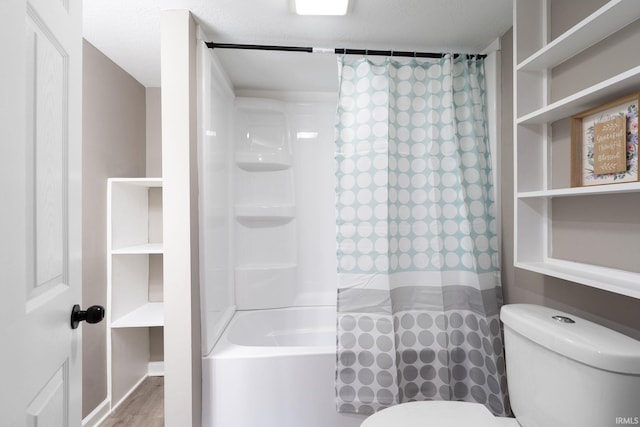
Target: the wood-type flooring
(143, 408)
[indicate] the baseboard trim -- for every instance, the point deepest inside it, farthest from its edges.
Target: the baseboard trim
(155, 369)
(97, 415)
(114, 407)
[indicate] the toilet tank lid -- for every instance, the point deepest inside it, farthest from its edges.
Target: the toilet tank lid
(584, 341)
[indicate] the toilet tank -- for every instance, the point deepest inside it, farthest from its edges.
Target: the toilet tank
(563, 374)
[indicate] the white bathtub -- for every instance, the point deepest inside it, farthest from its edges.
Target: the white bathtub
(274, 368)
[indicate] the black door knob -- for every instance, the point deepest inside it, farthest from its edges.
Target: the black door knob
(93, 314)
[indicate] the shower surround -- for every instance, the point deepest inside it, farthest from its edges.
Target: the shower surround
(267, 207)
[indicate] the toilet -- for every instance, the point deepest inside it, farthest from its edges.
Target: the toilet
(562, 371)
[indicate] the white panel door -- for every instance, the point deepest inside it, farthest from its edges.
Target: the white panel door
(40, 216)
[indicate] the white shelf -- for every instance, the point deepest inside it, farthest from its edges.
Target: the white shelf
(615, 87)
(631, 187)
(608, 279)
(148, 315)
(605, 21)
(147, 248)
(252, 161)
(142, 182)
(265, 213)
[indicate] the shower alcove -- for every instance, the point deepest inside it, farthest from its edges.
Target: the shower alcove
(268, 237)
(267, 246)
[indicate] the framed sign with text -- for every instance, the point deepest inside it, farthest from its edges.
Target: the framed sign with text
(604, 143)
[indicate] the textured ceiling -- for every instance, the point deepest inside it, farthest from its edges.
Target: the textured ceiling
(128, 32)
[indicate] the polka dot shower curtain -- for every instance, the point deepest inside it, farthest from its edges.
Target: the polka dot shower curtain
(418, 265)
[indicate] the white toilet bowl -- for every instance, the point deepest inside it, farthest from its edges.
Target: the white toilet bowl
(559, 368)
(438, 414)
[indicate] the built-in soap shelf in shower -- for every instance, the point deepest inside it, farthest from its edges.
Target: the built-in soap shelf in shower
(252, 161)
(263, 213)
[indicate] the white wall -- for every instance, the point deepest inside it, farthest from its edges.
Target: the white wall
(183, 377)
(215, 136)
(285, 215)
(313, 136)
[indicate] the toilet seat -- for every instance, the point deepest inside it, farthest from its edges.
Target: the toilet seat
(437, 414)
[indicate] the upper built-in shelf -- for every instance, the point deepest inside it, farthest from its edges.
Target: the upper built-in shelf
(630, 187)
(263, 162)
(609, 279)
(147, 315)
(605, 21)
(147, 248)
(142, 182)
(617, 86)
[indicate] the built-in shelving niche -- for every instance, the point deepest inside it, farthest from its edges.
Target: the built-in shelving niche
(135, 311)
(542, 191)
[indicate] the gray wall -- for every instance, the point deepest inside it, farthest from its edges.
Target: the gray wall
(154, 132)
(113, 146)
(520, 286)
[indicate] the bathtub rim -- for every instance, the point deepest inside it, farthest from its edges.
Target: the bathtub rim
(224, 348)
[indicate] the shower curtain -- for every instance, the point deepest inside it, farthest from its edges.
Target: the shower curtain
(418, 265)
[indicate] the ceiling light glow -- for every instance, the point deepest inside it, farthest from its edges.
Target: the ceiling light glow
(321, 7)
(307, 135)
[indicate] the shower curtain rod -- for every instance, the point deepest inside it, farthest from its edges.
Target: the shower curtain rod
(339, 51)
